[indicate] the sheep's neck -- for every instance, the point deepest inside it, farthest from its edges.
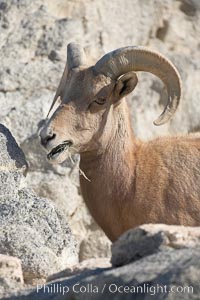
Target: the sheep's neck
(111, 176)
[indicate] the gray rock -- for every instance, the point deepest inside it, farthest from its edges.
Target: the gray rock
(13, 164)
(12, 158)
(87, 265)
(152, 238)
(11, 277)
(135, 244)
(169, 274)
(96, 245)
(32, 229)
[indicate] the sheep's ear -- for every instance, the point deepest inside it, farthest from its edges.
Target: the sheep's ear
(125, 85)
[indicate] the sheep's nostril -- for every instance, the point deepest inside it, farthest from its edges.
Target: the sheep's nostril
(50, 137)
(45, 140)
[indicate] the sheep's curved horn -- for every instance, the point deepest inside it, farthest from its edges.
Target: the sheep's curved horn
(75, 56)
(127, 59)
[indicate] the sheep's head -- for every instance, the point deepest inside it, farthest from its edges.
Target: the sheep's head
(89, 98)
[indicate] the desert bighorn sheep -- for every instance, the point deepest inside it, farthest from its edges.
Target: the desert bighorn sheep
(130, 182)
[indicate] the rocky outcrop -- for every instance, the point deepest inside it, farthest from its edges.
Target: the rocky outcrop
(86, 266)
(12, 164)
(31, 228)
(163, 261)
(11, 277)
(148, 239)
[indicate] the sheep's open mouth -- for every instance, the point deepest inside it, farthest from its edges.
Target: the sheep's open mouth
(56, 151)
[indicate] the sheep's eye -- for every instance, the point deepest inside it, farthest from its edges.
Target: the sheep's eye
(100, 101)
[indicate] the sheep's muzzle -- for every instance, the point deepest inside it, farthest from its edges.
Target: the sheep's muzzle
(56, 151)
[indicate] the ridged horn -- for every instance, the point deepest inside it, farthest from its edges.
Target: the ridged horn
(75, 56)
(59, 89)
(127, 59)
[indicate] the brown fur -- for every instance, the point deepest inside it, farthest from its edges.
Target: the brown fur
(131, 182)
